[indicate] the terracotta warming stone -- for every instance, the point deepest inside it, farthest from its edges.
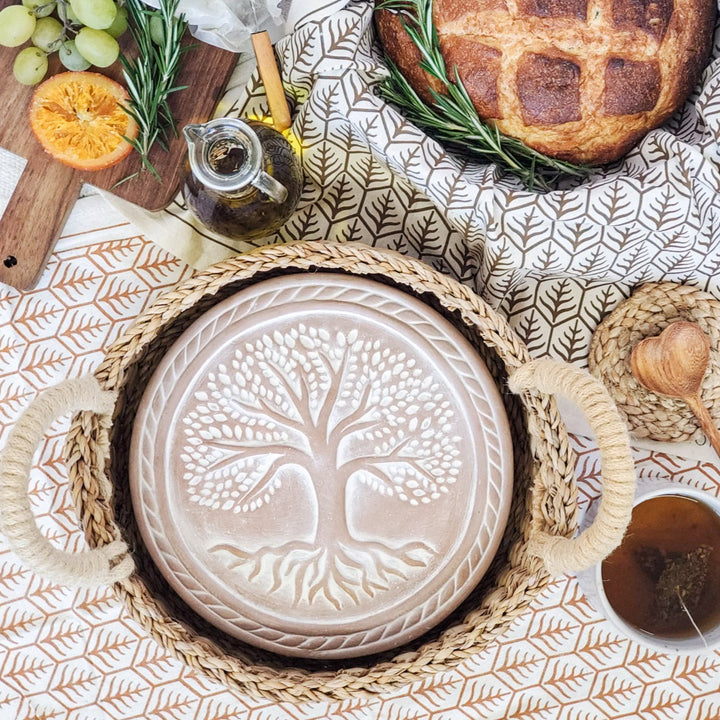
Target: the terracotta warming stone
(321, 466)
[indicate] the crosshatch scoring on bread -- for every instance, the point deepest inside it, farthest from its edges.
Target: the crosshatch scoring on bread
(580, 80)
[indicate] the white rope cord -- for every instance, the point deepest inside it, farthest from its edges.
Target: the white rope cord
(99, 566)
(562, 554)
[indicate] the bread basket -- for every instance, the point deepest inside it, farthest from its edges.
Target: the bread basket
(537, 543)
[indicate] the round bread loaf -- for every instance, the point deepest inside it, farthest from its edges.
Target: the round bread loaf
(580, 80)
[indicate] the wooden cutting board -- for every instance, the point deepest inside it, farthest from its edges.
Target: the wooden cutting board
(47, 189)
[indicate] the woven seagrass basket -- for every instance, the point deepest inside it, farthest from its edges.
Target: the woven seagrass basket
(535, 545)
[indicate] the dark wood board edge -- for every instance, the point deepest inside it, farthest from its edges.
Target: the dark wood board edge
(34, 220)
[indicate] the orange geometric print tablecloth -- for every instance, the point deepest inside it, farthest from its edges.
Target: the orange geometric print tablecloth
(74, 654)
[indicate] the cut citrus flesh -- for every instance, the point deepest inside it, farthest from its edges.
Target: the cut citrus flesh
(78, 119)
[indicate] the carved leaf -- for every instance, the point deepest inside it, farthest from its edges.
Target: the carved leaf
(253, 419)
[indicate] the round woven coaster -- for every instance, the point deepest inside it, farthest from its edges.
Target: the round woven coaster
(649, 310)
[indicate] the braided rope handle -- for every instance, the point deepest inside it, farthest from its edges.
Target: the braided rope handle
(561, 554)
(99, 566)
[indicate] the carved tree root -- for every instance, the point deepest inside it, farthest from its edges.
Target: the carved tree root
(347, 572)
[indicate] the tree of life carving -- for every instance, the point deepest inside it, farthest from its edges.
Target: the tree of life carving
(292, 405)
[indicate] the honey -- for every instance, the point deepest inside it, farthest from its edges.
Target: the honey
(664, 579)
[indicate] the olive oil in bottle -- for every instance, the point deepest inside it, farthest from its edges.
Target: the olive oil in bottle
(245, 178)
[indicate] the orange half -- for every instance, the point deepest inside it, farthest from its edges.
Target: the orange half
(78, 119)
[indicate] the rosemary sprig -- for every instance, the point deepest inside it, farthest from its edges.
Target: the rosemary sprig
(452, 117)
(150, 78)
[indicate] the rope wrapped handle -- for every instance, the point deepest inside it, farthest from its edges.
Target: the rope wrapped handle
(562, 554)
(95, 567)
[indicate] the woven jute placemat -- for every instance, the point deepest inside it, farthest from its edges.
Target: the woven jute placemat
(646, 313)
(538, 541)
(544, 490)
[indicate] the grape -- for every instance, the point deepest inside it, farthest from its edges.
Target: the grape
(120, 23)
(30, 66)
(95, 14)
(48, 34)
(157, 30)
(71, 58)
(40, 8)
(97, 47)
(66, 13)
(16, 25)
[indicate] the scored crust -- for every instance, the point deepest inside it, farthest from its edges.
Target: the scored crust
(580, 80)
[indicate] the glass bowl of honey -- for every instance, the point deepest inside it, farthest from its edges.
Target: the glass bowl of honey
(661, 586)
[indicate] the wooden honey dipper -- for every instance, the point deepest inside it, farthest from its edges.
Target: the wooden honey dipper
(674, 364)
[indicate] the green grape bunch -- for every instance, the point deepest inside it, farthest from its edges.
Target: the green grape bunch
(83, 33)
